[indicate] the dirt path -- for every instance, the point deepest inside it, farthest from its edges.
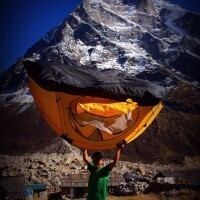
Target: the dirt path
(173, 195)
(136, 197)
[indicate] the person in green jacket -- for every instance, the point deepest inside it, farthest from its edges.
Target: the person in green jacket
(99, 174)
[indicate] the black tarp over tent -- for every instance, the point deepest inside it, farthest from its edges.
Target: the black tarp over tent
(58, 89)
(87, 81)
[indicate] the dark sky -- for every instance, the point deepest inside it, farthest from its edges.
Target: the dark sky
(192, 5)
(23, 22)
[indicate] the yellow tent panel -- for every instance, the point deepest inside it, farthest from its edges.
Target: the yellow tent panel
(106, 109)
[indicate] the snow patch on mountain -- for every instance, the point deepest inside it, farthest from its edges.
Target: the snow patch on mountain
(49, 36)
(172, 12)
(170, 17)
(160, 4)
(21, 97)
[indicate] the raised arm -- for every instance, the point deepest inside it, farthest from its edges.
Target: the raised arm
(85, 156)
(117, 156)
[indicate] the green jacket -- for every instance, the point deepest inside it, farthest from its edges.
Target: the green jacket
(98, 182)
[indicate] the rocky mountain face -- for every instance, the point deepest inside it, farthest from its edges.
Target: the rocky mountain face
(150, 39)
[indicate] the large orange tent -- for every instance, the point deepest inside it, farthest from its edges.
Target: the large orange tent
(92, 108)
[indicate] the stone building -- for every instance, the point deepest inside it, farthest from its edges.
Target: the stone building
(12, 187)
(76, 185)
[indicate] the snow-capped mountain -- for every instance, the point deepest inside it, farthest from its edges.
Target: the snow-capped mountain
(150, 39)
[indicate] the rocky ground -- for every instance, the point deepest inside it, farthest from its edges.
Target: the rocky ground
(48, 168)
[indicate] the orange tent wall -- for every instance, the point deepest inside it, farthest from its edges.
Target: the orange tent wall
(58, 109)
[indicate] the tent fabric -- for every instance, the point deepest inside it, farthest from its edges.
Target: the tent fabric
(112, 125)
(87, 81)
(59, 90)
(106, 110)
